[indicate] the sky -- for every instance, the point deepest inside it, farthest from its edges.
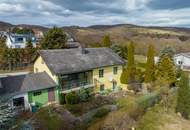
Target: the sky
(96, 12)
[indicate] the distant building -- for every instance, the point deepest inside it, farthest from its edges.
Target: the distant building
(19, 40)
(71, 42)
(181, 60)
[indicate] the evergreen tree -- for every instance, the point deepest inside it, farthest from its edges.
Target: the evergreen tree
(183, 98)
(7, 113)
(22, 30)
(2, 48)
(166, 71)
(106, 41)
(123, 77)
(29, 50)
(55, 38)
(149, 73)
(169, 51)
(131, 64)
(120, 50)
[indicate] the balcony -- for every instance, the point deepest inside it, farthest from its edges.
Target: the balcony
(76, 81)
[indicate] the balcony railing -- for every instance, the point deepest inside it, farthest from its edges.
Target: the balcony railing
(75, 84)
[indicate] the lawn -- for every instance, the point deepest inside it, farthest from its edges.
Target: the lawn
(140, 61)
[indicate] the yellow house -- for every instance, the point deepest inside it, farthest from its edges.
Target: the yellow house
(72, 69)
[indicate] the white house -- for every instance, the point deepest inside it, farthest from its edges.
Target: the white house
(19, 40)
(182, 60)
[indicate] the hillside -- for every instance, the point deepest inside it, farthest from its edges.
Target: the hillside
(179, 38)
(4, 26)
(121, 34)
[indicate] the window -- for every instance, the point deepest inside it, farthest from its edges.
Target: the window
(180, 62)
(101, 73)
(37, 93)
(19, 39)
(102, 87)
(17, 46)
(115, 70)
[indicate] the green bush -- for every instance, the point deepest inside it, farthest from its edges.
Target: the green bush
(106, 92)
(84, 95)
(142, 104)
(123, 77)
(139, 76)
(101, 112)
(72, 98)
(148, 100)
(75, 109)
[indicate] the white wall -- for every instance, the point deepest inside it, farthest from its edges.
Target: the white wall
(12, 44)
(181, 58)
(156, 59)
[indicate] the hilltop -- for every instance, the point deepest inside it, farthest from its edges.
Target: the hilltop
(179, 38)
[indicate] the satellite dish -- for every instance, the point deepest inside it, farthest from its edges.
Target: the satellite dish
(110, 79)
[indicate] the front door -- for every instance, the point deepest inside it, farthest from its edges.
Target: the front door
(51, 95)
(114, 85)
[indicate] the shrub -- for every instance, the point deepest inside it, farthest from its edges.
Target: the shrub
(123, 77)
(183, 98)
(142, 104)
(75, 109)
(148, 100)
(139, 76)
(83, 95)
(101, 112)
(106, 92)
(62, 99)
(71, 98)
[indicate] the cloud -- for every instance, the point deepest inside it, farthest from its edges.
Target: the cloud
(90, 12)
(169, 4)
(4, 7)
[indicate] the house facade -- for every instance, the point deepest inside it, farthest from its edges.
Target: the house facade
(58, 72)
(183, 60)
(19, 40)
(73, 69)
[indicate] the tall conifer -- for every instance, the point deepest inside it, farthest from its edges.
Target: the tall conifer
(131, 63)
(149, 73)
(183, 99)
(166, 71)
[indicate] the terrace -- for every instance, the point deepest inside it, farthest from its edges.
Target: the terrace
(76, 81)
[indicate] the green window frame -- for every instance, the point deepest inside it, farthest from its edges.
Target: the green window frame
(37, 93)
(102, 87)
(101, 73)
(115, 69)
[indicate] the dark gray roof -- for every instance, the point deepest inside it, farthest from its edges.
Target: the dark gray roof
(183, 54)
(65, 61)
(25, 83)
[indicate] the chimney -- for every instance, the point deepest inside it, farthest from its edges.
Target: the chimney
(82, 49)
